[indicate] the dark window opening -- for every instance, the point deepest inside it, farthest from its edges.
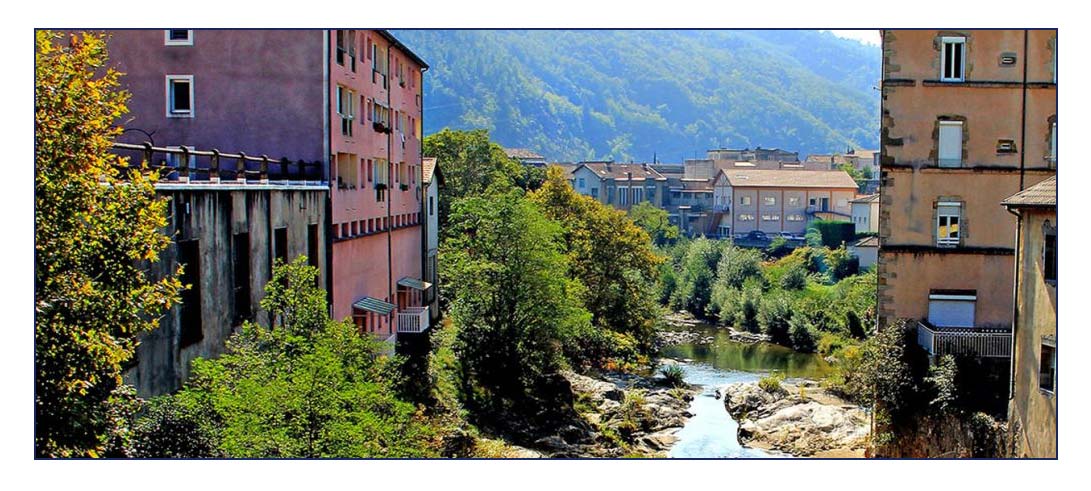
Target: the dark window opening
(1047, 369)
(242, 277)
(190, 316)
(179, 34)
(312, 248)
(280, 244)
(1050, 258)
(179, 96)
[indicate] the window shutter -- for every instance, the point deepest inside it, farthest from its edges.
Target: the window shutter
(950, 144)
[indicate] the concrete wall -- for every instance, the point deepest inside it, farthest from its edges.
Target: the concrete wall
(1034, 410)
(867, 255)
(866, 216)
(212, 215)
(913, 275)
(255, 91)
(590, 180)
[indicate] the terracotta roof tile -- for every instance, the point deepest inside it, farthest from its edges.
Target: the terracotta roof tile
(1041, 194)
(789, 178)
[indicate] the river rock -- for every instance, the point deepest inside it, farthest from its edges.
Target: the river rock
(798, 424)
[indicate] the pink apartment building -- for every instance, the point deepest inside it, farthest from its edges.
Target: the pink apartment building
(349, 98)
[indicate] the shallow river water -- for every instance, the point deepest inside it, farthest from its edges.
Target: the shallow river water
(711, 433)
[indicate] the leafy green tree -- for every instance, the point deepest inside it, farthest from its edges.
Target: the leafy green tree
(802, 334)
(512, 302)
(655, 221)
(841, 264)
(737, 264)
(795, 278)
(609, 254)
(472, 164)
(96, 230)
(778, 248)
(309, 387)
(697, 275)
(774, 317)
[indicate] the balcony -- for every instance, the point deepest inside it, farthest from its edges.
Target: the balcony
(980, 342)
(413, 320)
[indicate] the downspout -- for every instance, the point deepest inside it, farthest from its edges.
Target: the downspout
(1023, 119)
(1014, 301)
(389, 198)
(327, 143)
(425, 231)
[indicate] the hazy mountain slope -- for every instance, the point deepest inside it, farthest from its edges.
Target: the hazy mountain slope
(630, 94)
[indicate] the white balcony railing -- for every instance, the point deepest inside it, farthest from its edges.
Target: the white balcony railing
(985, 343)
(413, 320)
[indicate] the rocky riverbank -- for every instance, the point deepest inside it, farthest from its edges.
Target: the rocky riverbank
(623, 416)
(679, 334)
(800, 419)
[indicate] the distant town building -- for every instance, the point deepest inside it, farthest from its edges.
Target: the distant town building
(525, 156)
(779, 200)
(1032, 412)
(866, 250)
(619, 185)
(969, 118)
(865, 213)
(432, 179)
(350, 99)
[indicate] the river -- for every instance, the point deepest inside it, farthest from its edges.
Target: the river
(711, 433)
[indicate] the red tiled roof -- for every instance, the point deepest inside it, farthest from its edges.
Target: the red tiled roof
(784, 178)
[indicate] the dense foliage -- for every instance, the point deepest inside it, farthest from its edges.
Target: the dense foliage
(309, 387)
(655, 221)
(96, 230)
(574, 95)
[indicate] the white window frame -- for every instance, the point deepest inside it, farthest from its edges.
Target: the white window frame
(947, 163)
(944, 41)
(167, 41)
(793, 201)
(948, 241)
(1052, 343)
(744, 200)
(623, 195)
(174, 160)
(795, 218)
(769, 200)
(770, 217)
(638, 194)
(1053, 144)
(971, 299)
(171, 112)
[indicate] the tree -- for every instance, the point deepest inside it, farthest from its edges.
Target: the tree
(96, 229)
(697, 275)
(472, 164)
(655, 221)
(308, 387)
(512, 302)
(737, 264)
(607, 253)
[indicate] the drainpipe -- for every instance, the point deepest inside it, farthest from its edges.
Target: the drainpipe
(389, 200)
(1014, 302)
(1023, 119)
(327, 143)
(423, 226)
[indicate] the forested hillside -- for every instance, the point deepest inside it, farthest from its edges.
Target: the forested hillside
(629, 95)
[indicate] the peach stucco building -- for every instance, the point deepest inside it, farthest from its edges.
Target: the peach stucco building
(968, 119)
(351, 99)
(779, 201)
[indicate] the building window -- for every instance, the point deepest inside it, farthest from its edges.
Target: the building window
(581, 183)
(948, 215)
(431, 205)
(1049, 258)
(346, 102)
(178, 37)
(1047, 368)
(179, 96)
(595, 193)
(769, 201)
(312, 247)
(795, 218)
(770, 217)
(744, 200)
(242, 277)
(745, 217)
(952, 308)
(622, 195)
(191, 327)
(950, 144)
(638, 195)
(1053, 144)
(793, 201)
(280, 243)
(953, 59)
(382, 178)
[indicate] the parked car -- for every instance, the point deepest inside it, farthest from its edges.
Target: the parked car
(757, 235)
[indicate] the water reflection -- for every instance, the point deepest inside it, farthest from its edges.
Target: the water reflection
(725, 354)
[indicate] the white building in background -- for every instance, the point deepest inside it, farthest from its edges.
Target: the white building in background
(865, 213)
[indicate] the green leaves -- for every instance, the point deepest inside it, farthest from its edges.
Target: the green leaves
(96, 231)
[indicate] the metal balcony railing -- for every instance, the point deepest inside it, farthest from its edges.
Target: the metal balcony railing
(187, 165)
(981, 342)
(413, 320)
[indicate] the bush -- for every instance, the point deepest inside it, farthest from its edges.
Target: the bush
(795, 278)
(170, 428)
(736, 265)
(771, 383)
(724, 303)
(841, 264)
(747, 315)
(774, 315)
(674, 375)
(834, 233)
(802, 334)
(855, 326)
(778, 248)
